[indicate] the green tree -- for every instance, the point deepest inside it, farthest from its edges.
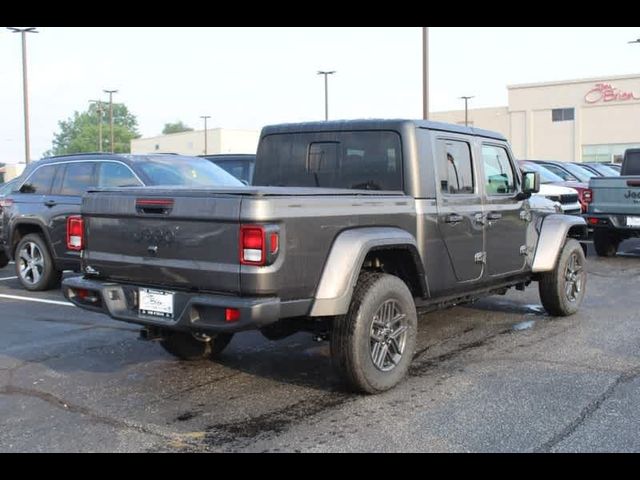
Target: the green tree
(80, 132)
(176, 127)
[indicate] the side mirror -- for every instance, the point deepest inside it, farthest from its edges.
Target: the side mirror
(530, 183)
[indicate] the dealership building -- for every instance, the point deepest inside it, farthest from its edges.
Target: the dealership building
(589, 120)
(219, 140)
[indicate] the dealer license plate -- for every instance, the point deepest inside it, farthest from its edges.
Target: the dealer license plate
(155, 303)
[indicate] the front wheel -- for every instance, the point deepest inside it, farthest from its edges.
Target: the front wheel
(192, 347)
(372, 345)
(562, 289)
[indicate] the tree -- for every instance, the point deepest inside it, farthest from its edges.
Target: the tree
(80, 133)
(175, 128)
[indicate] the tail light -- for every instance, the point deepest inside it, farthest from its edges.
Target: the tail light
(75, 233)
(259, 245)
(587, 196)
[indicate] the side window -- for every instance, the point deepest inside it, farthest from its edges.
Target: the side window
(499, 177)
(455, 170)
(78, 178)
(40, 182)
(116, 175)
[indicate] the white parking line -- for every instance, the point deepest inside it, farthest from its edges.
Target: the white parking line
(8, 278)
(37, 300)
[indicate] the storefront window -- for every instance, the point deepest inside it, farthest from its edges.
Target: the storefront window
(606, 153)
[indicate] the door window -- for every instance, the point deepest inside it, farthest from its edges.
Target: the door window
(40, 182)
(455, 170)
(78, 178)
(498, 172)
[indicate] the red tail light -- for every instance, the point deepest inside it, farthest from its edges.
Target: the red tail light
(231, 315)
(75, 233)
(587, 196)
(252, 245)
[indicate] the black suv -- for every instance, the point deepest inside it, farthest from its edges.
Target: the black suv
(240, 165)
(33, 227)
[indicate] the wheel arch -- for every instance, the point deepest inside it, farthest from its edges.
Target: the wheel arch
(22, 229)
(554, 231)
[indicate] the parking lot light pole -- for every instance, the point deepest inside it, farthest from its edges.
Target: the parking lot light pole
(466, 110)
(425, 73)
(111, 92)
(326, 92)
(100, 111)
(205, 118)
(25, 94)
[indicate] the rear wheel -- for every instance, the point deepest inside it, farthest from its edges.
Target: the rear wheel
(372, 345)
(562, 289)
(4, 261)
(605, 243)
(191, 347)
(34, 264)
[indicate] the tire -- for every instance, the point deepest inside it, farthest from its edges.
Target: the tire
(34, 264)
(186, 346)
(353, 346)
(562, 289)
(605, 243)
(4, 261)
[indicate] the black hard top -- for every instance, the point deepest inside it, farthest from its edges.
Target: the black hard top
(377, 124)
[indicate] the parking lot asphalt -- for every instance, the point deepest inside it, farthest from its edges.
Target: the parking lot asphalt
(495, 376)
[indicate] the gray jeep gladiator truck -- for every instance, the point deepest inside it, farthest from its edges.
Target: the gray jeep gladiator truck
(614, 206)
(351, 229)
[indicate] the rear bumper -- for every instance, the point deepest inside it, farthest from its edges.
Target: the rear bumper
(192, 311)
(613, 223)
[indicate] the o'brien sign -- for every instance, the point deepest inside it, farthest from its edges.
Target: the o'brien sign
(604, 92)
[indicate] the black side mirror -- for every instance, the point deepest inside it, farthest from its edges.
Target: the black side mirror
(530, 184)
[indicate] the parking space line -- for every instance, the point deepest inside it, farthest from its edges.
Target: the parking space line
(37, 300)
(8, 278)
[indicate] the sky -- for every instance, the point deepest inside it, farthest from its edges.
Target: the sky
(250, 77)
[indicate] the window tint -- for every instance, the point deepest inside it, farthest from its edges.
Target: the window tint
(40, 181)
(499, 177)
(78, 178)
(455, 170)
(116, 175)
(174, 170)
(354, 160)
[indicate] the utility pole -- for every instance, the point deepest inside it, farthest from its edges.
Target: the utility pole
(111, 92)
(25, 93)
(100, 111)
(425, 73)
(326, 92)
(205, 117)
(466, 110)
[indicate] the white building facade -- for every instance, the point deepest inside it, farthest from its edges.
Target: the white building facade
(219, 140)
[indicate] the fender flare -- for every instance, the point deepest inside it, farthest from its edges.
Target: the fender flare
(342, 268)
(13, 226)
(553, 234)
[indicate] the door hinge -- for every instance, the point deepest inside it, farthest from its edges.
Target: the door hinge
(481, 257)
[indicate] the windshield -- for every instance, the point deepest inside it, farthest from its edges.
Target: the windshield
(186, 171)
(582, 173)
(605, 170)
(545, 175)
(5, 188)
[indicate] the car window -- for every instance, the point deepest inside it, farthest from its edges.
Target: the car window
(112, 174)
(455, 170)
(561, 172)
(78, 178)
(40, 182)
(186, 171)
(499, 176)
(238, 168)
(546, 175)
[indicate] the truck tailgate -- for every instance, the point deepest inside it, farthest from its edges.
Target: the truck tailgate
(164, 238)
(616, 195)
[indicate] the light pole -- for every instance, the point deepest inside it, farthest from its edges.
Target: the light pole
(111, 92)
(205, 118)
(326, 92)
(100, 111)
(425, 73)
(466, 110)
(25, 94)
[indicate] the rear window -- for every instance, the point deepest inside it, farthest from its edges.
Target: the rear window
(631, 164)
(186, 171)
(351, 160)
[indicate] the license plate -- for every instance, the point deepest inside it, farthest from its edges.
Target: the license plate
(155, 303)
(633, 221)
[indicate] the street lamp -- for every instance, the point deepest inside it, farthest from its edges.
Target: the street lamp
(111, 92)
(100, 111)
(205, 117)
(466, 110)
(25, 94)
(326, 92)
(425, 73)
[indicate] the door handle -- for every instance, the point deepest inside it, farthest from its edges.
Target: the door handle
(50, 203)
(453, 218)
(494, 216)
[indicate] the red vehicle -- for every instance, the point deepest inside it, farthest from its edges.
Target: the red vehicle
(547, 176)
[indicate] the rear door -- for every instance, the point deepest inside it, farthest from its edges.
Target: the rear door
(460, 207)
(505, 217)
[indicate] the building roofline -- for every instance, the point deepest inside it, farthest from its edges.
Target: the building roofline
(574, 81)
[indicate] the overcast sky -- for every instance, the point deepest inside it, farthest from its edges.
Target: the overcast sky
(250, 77)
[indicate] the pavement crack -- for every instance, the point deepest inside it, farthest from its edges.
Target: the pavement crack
(587, 412)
